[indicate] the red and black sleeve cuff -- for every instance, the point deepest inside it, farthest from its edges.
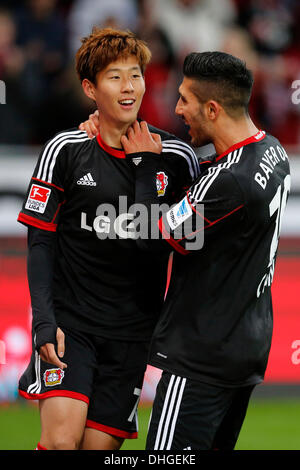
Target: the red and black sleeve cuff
(29, 220)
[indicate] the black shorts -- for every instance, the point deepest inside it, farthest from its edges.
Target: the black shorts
(106, 374)
(188, 414)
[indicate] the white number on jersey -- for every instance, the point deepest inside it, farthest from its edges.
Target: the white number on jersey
(277, 204)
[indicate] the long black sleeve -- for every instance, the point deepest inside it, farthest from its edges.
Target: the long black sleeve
(40, 261)
(146, 194)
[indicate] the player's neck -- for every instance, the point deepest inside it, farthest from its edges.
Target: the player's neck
(234, 133)
(111, 134)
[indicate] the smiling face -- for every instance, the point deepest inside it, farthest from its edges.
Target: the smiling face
(194, 114)
(118, 91)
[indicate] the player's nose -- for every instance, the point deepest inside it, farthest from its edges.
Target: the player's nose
(127, 85)
(178, 109)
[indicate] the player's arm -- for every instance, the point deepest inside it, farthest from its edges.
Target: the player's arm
(41, 212)
(212, 207)
(40, 260)
(210, 211)
(186, 164)
(181, 163)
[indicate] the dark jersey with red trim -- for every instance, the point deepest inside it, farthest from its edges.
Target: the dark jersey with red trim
(216, 324)
(83, 190)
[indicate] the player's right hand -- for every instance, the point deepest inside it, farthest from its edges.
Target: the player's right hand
(92, 125)
(48, 353)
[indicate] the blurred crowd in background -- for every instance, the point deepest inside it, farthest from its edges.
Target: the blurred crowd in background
(39, 39)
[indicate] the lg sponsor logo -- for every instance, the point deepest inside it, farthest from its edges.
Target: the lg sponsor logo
(136, 222)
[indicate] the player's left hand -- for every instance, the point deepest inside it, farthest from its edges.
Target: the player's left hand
(92, 125)
(140, 139)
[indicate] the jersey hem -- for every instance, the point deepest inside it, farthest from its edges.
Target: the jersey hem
(205, 378)
(95, 332)
(110, 430)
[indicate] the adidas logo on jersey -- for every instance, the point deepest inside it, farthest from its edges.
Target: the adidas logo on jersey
(87, 180)
(137, 160)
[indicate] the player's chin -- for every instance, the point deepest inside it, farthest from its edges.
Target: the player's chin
(129, 116)
(198, 140)
(195, 140)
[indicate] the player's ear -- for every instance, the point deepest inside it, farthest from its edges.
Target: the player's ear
(213, 109)
(88, 88)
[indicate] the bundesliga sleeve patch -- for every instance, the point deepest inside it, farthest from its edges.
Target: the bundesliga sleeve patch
(53, 377)
(38, 198)
(179, 213)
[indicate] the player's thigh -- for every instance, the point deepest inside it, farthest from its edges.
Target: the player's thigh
(116, 392)
(186, 414)
(230, 427)
(62, 422)
(64, 394)
(93, 439)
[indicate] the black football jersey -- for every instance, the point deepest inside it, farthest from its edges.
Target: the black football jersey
(83, 190)
(216, 324)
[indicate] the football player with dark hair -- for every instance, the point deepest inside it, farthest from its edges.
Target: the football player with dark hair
(213, 337)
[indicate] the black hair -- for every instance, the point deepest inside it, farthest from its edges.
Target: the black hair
(231, 82)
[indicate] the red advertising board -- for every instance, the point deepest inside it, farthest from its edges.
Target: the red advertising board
(15, 324)
(284, 360)
(15, 327)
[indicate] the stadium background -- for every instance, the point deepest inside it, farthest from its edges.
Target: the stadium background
(38, 39)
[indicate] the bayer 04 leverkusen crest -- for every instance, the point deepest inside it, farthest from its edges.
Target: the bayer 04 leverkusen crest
(53, 377)
(161, 183)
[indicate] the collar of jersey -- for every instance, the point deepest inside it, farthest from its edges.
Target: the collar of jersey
(260, 135)
(111, 150)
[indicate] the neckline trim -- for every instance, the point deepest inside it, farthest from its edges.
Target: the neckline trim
(260, 135)
(110, 150)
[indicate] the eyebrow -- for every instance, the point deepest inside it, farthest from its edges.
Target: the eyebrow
(120, 70)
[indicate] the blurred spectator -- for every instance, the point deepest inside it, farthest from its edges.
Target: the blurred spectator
(162, 81)
(85, 14)
(15, 124)
(42, 36)
(65, 107)
(38, 40)
(238, 42)
(193, 25)
(281, 115)
(270, 23)
(11, 56)
(33, 52)
(272, 26)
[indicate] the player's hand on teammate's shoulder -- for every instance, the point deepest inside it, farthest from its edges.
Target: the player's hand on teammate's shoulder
(48, 353)
(92, 125)
(140, 139)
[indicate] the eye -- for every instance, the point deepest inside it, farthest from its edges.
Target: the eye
(114, 77)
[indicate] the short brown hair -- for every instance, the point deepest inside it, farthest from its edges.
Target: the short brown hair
(108, 45)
